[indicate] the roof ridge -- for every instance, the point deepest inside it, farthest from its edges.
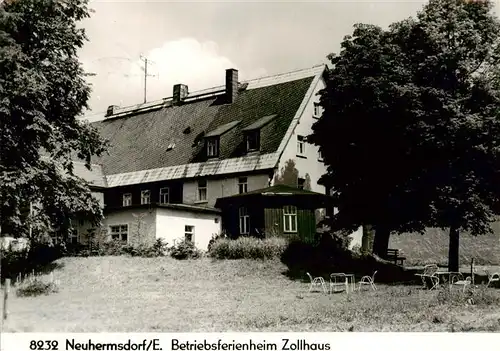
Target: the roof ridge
(284, 73)
(154, 103)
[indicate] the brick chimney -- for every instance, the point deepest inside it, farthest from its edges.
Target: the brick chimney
(231, 85)
(111, 110)
(180, 93)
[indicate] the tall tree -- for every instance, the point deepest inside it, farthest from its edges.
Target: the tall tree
(454, 52)
(362, 134)
(411, 121)
(42, 91)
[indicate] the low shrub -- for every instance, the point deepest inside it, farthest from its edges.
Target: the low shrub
(75, 249)
(300, 255)
(216, 237)
(159, 248)
(340, 239)
(118, 248)
(330, 254)
(112, 248)
(36, 288)
(182, 250)
(356, 250)
(248, 247)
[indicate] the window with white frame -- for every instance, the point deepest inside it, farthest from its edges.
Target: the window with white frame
(164, 195)
(119, 232)
(290, 219)
(202, 190)
(189, 233)
(127, 199)
(242, 185)
(244, 220)
(301, 145)
(212, 147)
(317, 110)
(145, 197)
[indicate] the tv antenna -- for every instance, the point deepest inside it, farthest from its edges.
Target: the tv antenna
(146, 75)
(144, 68)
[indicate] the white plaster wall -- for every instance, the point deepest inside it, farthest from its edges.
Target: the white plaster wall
(141, 224)
(170, 226)
(311, 164)
(222, 187)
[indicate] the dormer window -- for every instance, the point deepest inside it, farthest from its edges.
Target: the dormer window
(252, 132)
(213, 139)
(253, 140)
(213, 147)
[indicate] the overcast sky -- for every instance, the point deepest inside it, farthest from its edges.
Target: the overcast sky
(194, 42)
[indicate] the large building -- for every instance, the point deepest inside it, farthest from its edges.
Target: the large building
(170, 160)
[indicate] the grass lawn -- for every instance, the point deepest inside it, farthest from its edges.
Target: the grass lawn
(124, 294)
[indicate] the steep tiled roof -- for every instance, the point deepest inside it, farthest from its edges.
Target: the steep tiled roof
(160, 141)
(260, 122)
(95, 176)
(222, 129)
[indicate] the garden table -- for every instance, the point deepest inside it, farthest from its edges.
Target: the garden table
(446, 277)
(342, 283)
(349, 281)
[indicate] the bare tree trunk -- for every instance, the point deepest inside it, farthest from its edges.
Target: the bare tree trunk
(367, 240)
(453, 251)
(381, 241)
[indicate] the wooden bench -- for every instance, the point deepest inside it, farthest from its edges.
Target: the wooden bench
(393, 255)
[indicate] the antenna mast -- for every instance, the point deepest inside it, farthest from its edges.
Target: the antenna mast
(146, 63)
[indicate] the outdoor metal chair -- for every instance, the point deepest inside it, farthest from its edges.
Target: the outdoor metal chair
(428, 273)
(430, 269)
(458, 280)
(342, 283)
(317, 282)
(492, 277)
(367, 280)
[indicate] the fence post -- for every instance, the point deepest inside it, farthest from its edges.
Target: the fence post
(5, 298)
(472, 270)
